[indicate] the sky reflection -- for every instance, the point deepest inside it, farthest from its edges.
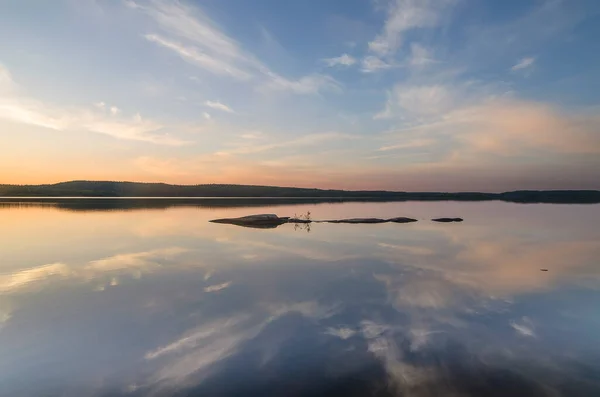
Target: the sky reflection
(161, 302)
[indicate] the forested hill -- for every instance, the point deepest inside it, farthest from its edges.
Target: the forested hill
(134, 189)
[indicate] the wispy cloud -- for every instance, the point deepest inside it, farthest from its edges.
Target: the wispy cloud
(372, 64)
(209, 48)
(198, 338)
(306, 85)
(407, 101)
(253, 135)
(26, 110)
(18, 280)
(112, 109)
(306, 140)
(6, 81)
(405, 15)
(128, 263)
(217, 287)
(198, 58)
(342, 60)
(219, 106)
(478, 123)
(524, 327)
(420, 56)
(342, 333)
(196, 352)
(524, 63)
(191, 23)
(411, 144)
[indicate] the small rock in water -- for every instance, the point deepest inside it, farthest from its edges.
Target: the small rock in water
(402, 219)
(447, 220)
(298, 220)
(544, 270)
(261, 221)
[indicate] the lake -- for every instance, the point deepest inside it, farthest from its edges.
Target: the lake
(136, 298)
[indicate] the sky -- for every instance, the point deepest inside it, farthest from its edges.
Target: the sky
(413, 95)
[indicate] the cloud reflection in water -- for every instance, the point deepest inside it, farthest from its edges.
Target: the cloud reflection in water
(382, 310)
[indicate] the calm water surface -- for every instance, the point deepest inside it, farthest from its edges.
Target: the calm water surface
(97, 301)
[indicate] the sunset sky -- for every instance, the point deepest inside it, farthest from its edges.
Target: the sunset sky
(440, 95)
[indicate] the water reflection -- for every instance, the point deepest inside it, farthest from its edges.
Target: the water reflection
(129, 204)
(161, 302)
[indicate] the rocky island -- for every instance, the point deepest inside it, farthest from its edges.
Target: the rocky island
(269, 221)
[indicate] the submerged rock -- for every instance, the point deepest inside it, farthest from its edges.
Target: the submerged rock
(447, 220)
(261, 221)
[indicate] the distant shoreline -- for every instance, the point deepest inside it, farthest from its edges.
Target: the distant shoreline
(283, 198)
(159, 191)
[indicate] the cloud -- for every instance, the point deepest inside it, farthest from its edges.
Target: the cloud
(525, 328)
(218, 287)
(417, 100)
(15, 281)
(112, 109)
(206, 115)
(191, 23)
(524, 63)
(310, 309)
(420, 56)
(512, 266)
(460, 134)
(342, 333)
(487, 266)
(306, 140)
(5, 316)
(122, 263)
(211, 49)
(403, 16)
(36, 113)
(408, 249)
(253, 135)
(410, 144)
(372, 64)
(196, 57)
(342, 60)
(6, 81)
(466, 127)
(512, 126)
(193, 338)
(30, 111)
(198, 349)
(219, 106)
(134, 260)
(306, 85)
